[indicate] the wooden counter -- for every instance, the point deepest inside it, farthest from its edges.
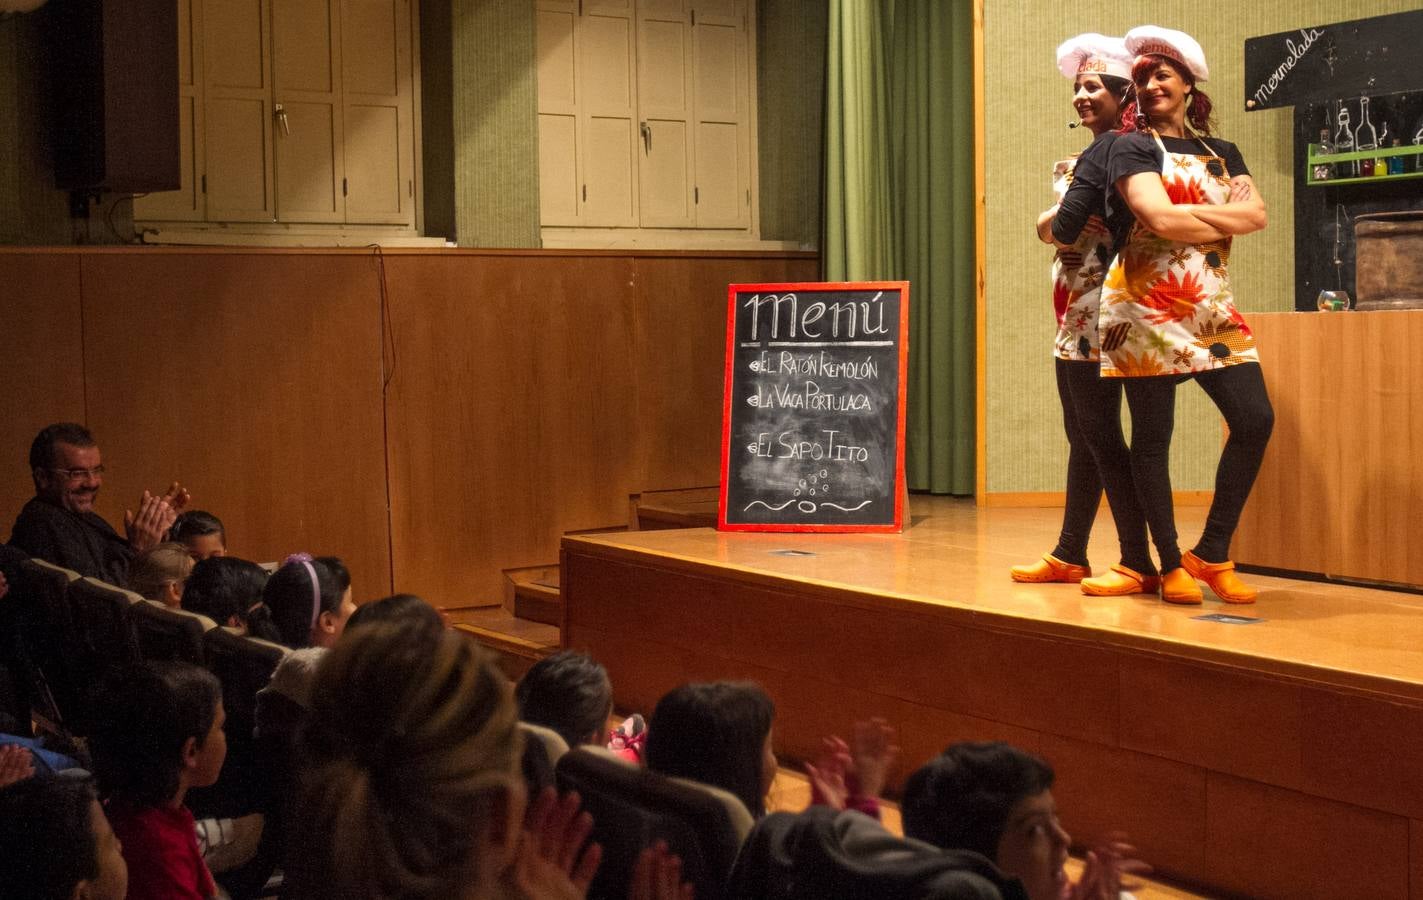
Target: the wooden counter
(1340, 493)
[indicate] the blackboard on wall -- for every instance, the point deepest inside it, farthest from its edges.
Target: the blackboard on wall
(813, 410)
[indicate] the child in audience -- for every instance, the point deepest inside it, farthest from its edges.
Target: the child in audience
(718, 734)
(996, 800)
(396, 607)
(160, 574)
(411, 786)
(56, 844)
(310, 600)
(201, 533)
(569, 693)
(160, 734)
(228, 590)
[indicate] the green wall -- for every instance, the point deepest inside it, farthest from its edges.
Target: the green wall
(1027, 105)
(790, 101)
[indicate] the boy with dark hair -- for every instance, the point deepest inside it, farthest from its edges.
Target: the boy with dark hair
(201, 532)
(160, 734)
(996, 800)
(55, 843)
(569, 693)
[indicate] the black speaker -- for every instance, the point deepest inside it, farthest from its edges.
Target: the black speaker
(113, 69)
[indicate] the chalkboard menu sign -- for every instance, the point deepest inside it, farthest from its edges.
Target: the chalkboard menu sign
(813, 416)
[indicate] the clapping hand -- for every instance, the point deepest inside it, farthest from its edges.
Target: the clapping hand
(872, 756)
(16, 764)
(1105, 870)
(552, 862)
(149, 526)
(828, 774)
(658, 876)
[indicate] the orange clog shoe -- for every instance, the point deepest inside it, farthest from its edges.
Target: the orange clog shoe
(1178, 586)
(1120, 581)
(1220, 578)
(1050, 568)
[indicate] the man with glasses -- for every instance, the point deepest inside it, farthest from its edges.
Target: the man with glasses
(60, 526)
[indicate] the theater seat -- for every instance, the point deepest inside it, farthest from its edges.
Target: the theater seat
(50, 639)
(633, 807)
(104, 639)
(170, 634)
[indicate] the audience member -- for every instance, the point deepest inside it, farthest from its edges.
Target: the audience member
(411, 787)
(56, 844)
(309, 600)
(201, 533)
(718, 734)
(228, 590)
(59, 524)
(160, 733)
(853, 776)
(996, 800)
(396, 607)
(569, 693)
(159, 574)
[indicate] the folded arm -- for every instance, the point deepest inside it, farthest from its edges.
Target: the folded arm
(1147, 199)
(1243, 213)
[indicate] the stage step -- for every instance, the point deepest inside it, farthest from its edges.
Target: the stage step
(517, 643)
(685, 508)
(532, 593)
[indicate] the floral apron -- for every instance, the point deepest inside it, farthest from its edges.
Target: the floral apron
(1167, 308)
(1077, 278)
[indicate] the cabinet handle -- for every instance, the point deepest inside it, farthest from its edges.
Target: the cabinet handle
(646, 137)
(281, 115)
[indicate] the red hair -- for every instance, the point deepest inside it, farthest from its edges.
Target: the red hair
(1198, 110)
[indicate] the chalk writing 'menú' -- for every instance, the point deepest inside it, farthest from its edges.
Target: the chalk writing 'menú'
(790, 317)
(1295, 54)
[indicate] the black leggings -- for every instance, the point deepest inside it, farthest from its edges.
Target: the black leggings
(1097, 457)
(1239, 393)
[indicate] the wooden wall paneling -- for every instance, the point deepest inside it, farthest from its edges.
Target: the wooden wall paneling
(681, 329)
(1415, 859)
(253, 378)
(1158, 803)
(41, 363)
(1275, 843)
(1213, 718)
(511, 413)
(1344, 757)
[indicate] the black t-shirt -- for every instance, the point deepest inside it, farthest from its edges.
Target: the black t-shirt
(1087, 196)
(1137, 152)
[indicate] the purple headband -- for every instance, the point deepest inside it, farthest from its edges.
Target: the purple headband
(306, 560)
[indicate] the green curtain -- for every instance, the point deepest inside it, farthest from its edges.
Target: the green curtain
(899, 203)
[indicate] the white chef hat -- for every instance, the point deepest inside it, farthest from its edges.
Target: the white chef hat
(1168, 42)
(1094, 53)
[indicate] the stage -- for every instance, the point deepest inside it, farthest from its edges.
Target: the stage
(1280, 758)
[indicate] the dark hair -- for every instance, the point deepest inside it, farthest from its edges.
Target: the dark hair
(146, 715)
(47, 842)
(288, 596)
(1198, 110)
(42, 447)
(567, 692)
(396, 607)
(221, 587)
(713, 733)
(961, 799)
(195, 523)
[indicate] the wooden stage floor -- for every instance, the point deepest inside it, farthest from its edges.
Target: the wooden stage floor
(1282, 758)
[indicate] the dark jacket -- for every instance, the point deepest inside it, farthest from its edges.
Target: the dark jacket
(83, 542)
(822, 854)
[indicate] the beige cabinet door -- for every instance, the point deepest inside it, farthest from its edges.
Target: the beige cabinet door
(665, 114)
(378, 111)
(306, 69)
(560, 184)
(187, 204)
(237, 112)
(723, 143)
(607, 104)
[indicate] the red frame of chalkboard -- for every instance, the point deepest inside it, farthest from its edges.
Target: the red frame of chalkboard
(814, 287)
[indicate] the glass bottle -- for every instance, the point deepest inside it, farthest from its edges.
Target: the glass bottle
(1324, 171)
(1395, 163)
(1366, 137)
(1343, 143)
(1381, 162)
